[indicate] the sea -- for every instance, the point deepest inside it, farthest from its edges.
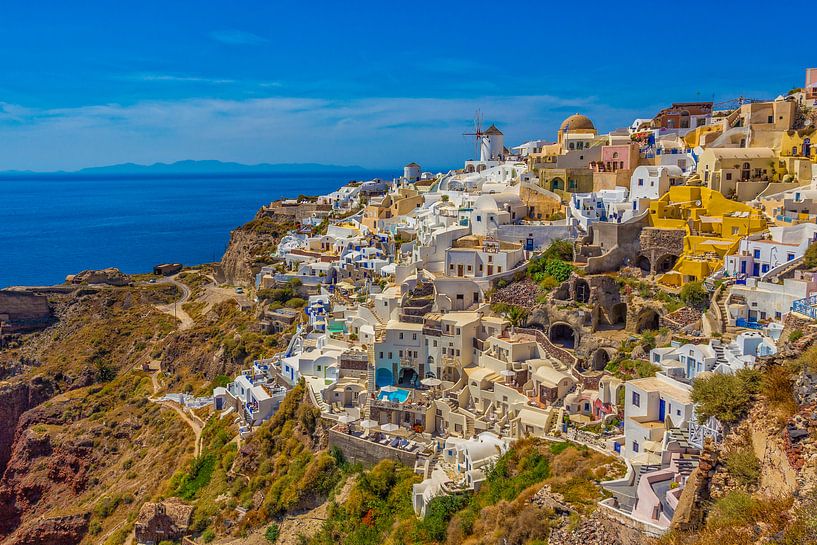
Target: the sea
(56, 225)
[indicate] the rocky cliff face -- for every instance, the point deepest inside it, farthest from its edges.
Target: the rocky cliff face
(15, 399)
(21, 311)
(252, 246)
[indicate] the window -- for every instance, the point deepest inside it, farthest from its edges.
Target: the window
(381, 355)
(401, 335)
(789, 256)
(640, 182)
(735, 230)
(390, 355)
(635, 446)
(777, 315)
(636, 400)
(757, 254)
(479, 218)
(728, 175)
(414, 336)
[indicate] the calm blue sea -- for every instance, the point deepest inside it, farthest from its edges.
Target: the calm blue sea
(54, 226)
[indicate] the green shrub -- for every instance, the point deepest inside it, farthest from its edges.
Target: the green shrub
(439, 512)
(795, 335)
(743, 465)
(272, 533)
(186, 485)
(726, 397)
(810, 257)
(295, 302)
(208, 535)
(694, 295)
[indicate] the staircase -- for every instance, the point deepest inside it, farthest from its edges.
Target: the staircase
(469, 428)
(719, 350)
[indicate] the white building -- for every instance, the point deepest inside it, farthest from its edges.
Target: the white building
(757, 300)
(648, 402)
(492, 145)
(759, 254)
(651, 182)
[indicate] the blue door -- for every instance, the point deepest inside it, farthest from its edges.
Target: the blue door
(743, 267)
(662, 410)
(756, 269)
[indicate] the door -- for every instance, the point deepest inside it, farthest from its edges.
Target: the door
(756, 269)
(490, 270)
(743, 267)
(662, 410)
(459, 270)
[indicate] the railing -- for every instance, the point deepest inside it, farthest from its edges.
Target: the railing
(806, 306)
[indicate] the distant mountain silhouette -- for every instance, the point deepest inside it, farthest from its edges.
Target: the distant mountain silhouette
(192, 168)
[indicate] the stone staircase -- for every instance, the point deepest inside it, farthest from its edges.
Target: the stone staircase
(719, 350)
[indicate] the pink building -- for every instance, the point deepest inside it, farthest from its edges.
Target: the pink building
(617, 157)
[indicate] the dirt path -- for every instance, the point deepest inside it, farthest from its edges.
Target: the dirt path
(175, 309)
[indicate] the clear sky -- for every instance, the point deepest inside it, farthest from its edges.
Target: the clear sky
(376, 84)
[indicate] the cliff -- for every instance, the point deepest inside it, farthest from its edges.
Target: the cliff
(21, 311)
(252, 246)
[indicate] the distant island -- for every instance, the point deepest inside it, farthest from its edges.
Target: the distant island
(186, 168)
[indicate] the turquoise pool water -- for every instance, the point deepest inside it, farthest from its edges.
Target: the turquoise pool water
(400, 396)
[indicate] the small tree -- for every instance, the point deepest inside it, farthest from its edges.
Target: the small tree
(694, 295)
(810, 258)
(515, 315)
(272, 533)
(726, 397)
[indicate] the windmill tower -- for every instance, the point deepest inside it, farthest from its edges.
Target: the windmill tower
(478, 133)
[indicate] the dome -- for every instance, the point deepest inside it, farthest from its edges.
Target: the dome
(577, 122)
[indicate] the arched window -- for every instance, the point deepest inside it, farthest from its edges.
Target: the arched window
(615, 155)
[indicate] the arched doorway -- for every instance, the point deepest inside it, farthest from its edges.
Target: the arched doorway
(383, 377)
(562, 334)
(582, 291)
(618, 315)
(599, 360)
(408, 377)
(557, 184)
(644, 264)
(648, 320)
(665, 263)
(745, 171)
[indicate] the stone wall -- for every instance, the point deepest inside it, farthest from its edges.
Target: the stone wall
(619, 244)
(22, 311)
(366, 452)
(657, 243)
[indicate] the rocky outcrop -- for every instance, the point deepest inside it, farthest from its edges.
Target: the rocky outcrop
(22, 312)
(109, 277)
(251, 246)
(67, 530)
(15, 400)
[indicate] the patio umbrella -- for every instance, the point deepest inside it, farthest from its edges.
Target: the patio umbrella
(346, 418)
(431, 381)
(388, 389)
(368, 424)
(507, 373)
(388, 428)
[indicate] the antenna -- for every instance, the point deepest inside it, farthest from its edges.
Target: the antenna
(477, 134)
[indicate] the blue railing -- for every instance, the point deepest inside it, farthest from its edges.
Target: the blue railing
(806, 306)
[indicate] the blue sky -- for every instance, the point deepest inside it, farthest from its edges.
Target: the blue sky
(376, 84)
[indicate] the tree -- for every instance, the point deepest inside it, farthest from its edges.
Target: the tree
(694, 295)
(515, 315)
(810, 258)
(726, 397)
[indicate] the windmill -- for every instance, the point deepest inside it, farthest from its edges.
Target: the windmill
(478, 133)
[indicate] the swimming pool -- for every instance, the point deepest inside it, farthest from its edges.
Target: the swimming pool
(399, 396)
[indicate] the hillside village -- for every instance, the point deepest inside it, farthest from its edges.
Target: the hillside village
(449, 315)
(627, 296)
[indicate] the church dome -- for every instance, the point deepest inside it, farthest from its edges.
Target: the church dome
(577, 122)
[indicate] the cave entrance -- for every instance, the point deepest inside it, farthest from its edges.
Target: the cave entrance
(563, 335)
(648, 320)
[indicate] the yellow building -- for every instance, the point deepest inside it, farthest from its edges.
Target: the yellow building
(713, 224)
